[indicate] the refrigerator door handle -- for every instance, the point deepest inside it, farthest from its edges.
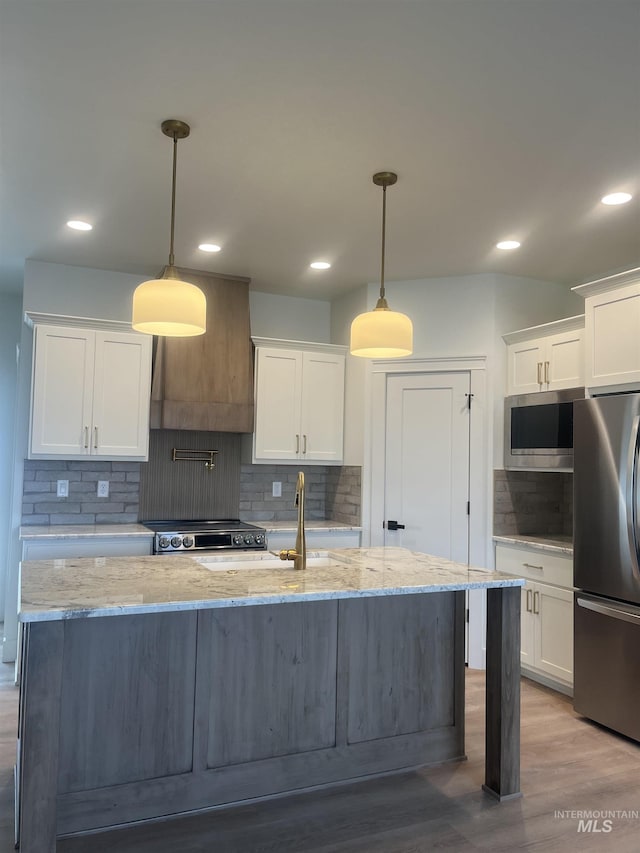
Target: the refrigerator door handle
(632, 495)
(608, 610)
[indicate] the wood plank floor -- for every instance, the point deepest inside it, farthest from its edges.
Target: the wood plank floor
(568, 763)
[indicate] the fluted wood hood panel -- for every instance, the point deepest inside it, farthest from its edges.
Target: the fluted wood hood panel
(206, 382)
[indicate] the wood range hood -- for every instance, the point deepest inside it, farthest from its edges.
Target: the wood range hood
(206, 382)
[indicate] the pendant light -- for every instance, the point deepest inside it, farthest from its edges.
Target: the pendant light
(166, 305)
(382, 333)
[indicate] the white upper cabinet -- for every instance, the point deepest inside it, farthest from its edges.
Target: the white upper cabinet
(546, 358)
(612, 332)
(299, 402)
(90, 393)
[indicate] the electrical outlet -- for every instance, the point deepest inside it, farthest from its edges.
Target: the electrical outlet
(276, 489)
(103, 488)
(63, 489)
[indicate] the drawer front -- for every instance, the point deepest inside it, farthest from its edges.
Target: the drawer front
(533, 564)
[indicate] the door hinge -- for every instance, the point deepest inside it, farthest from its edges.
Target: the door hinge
(469, 396)
(468, 507)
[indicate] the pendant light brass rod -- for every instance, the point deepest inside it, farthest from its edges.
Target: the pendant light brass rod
(173, 198)
(384, 220)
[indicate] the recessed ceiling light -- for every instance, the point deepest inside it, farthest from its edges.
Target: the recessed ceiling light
(319, 265)
(79, 225)
(508, 244)
(209, 247)
(616, 198)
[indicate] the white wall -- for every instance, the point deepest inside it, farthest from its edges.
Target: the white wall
(289, 317)
(10, 314)
(452, 317)
(461, 316)
(79, 291)
(343, 311)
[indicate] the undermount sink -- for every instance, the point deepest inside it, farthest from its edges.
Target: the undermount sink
(267, 560)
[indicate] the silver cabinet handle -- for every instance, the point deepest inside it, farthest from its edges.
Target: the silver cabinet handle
(530, 566)
(304, 444)
(539, 373)
(86, 437)
(528, 601)
(536, 601)
(297, 443)
(95, 437)
(546, 372)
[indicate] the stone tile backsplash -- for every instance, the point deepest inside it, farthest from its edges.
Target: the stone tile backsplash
(532, 503)
(330, 492)
(41, 505)
(344, 494)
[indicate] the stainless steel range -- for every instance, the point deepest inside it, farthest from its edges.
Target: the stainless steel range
(222, 535)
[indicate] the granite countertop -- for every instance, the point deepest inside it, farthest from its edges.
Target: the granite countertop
(545, 542)
(309, 524)
(79, 531)
(108, 586)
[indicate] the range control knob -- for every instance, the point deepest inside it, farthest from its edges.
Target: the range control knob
(248, 539)
(164, 542)
(176, 541)
(187, 541)
(259, 539)
(238, 540)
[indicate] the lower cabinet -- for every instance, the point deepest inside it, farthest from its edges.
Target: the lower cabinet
(547, 612)
(547, 630)
(87, 546)
(132, 717)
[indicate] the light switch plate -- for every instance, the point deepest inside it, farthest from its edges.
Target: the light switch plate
(103, 488)
(276, 489)
(63, 489)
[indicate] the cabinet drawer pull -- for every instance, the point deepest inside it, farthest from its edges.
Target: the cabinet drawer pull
(546, 372)
(539, 373)
(536, 601)
(95, 437)
(297, 443)
(304, 443)
(531, 566)
(86, 437)
(528, 601)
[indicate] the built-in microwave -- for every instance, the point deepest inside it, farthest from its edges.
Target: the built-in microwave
(538, 430)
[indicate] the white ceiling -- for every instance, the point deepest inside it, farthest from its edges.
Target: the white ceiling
(502, 118)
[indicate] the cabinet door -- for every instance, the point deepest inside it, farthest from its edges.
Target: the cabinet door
(322, 412)
(553, 609)
(525, 366)
(527, 626)
(62, 391)
(612, 343)
(121, 393)
(564, 362)
(278, 390)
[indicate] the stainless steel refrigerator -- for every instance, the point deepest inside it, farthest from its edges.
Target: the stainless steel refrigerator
(607, 561)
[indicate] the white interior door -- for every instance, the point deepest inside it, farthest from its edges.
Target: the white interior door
(427, 463)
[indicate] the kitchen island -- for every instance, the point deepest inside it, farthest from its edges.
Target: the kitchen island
(153, 686)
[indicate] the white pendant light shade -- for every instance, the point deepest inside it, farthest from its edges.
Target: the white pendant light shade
(381, 333)
(169, 307)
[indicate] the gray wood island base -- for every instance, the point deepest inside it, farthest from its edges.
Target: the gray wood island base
(153, 686)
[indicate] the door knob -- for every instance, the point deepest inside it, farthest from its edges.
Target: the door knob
(393, 525)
